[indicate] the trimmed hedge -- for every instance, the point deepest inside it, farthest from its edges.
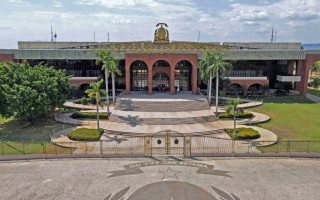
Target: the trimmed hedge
(89, 115)
(85, 134)
(244, 115)
(243, 133)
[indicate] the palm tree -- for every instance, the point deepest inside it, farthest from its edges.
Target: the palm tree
(219, 68)
(233, 107)
(315, 82)
(95, 92)
(113, 67)
(315, 67)
(206, 75)
(105, 58)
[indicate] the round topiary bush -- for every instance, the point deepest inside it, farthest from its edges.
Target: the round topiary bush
(243, 133)
(84, 101)
(85, 134)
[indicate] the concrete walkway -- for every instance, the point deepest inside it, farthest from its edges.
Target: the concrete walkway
(313, 98)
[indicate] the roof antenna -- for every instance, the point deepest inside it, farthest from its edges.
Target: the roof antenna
(51, 32)
(272, 36)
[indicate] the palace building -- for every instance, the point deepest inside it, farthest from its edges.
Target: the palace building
(164, 65)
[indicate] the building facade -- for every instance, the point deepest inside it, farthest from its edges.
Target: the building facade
(164, 65)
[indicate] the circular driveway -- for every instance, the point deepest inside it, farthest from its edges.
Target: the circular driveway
(172, 178)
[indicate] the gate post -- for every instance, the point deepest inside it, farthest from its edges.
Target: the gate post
(147, 145)
(168, 142)
(187, 146)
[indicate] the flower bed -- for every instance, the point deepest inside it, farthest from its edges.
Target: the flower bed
(85, 134)
(243, 133)
(89, 115)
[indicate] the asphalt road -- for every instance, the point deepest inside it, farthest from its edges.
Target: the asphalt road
(141, 179)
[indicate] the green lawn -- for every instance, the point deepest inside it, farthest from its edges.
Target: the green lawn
(19, 131)
(292, 121)
(16, 137)
(315, 92)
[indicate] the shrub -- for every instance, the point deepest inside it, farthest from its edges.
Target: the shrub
(244, 115)
(243, 133)
(85, 134)
(93, 100)
(89, 115)
(84, 101)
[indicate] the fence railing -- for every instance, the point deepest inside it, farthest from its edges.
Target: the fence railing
(136, 146)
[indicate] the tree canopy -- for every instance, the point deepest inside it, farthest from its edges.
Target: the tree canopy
(28, 92)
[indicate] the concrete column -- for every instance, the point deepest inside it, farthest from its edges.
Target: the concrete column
(150, 79)
(298, 72)
(128, 63)
(194, 78)
(303, 71)
(291, 67)
(172, 70)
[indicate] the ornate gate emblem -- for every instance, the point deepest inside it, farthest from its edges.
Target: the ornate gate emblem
(161, 35)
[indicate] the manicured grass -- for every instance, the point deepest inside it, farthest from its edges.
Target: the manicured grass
(10, 148)
(89, 115)
(12, 130)
(243, 133)
(315, 92)
(230, 116)
(292, 121)
(85, 134)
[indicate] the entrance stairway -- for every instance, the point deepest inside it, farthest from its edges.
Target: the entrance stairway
(141, 116)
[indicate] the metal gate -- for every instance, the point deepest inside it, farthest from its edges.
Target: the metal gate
(168, 143)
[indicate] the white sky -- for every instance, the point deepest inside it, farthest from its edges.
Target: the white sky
(135, 20)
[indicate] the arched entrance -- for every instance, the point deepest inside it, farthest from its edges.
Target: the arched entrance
(255, 89)
(235, 90)
(161, 76)
(139, 76)
(183, 76)
(160, 82)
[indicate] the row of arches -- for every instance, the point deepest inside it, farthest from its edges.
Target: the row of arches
(237, 89)
(161, 76)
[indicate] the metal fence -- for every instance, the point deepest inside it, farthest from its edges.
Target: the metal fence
(136, 146)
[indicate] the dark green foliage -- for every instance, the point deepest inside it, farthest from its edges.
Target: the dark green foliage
(93, 100)
(243, 133)
(85, 134)
(230, 115)
(28, 92)
(89, 115)
(315, 82)
(84, 101)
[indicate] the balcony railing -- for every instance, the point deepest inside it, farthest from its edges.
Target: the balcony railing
(245, 73)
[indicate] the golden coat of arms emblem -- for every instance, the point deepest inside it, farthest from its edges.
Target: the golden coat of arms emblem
(161, 34)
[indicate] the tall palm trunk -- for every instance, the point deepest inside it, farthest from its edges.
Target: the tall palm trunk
(113, 90)
(107, 89)
(234, 124)
(98, 115)
(210, 86)
(217, 91)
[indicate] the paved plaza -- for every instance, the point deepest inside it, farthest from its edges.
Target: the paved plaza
(163, 178)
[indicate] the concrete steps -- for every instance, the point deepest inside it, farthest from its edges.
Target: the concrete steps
(157, 106)
(161, 121)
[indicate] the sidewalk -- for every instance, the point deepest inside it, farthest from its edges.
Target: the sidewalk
(313, 98)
